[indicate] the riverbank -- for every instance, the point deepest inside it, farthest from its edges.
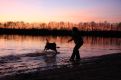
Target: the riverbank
(106, 67)
(57, 32)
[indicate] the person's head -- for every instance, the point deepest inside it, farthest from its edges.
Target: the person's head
(74, 29)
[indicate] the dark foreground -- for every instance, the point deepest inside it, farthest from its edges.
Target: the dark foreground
(107, 67)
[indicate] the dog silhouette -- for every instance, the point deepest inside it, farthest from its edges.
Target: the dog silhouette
(51, 46)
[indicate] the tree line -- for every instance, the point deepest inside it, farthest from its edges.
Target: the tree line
(83, 26)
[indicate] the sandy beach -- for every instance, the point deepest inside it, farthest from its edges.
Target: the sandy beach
(105, 67)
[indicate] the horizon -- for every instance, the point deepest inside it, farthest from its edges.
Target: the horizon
(40, 22)
(62, 10)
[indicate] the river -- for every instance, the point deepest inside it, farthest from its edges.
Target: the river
(15, 50)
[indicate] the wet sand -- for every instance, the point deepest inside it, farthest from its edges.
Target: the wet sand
(106, 67)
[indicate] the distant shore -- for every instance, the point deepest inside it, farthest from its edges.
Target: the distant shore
(55, 32)
(106, 67)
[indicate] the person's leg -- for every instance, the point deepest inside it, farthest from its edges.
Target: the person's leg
(77, 51)
(73, 54)
(77, 55)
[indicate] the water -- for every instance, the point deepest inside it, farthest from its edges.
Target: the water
(20, 53)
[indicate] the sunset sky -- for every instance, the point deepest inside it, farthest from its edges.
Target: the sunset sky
(60, 10)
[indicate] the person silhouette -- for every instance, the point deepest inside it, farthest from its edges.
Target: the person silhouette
(78, 40)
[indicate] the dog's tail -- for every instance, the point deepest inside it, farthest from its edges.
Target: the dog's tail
(47, 40)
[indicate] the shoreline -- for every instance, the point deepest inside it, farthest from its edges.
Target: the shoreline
(56, 32)
(105, 67)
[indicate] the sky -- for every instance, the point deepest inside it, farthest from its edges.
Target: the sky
(60, 10)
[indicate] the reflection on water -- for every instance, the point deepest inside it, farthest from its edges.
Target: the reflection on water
(15, 51)
(14, 44)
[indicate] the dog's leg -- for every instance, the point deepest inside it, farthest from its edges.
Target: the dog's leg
(45, 49)
(56, 51)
